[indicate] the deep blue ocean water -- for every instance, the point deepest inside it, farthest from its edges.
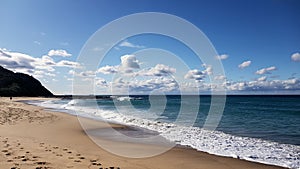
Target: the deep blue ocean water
(256, 128)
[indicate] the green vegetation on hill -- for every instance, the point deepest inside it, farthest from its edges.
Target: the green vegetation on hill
(19, 84)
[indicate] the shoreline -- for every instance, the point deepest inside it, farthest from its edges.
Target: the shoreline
(62, 130)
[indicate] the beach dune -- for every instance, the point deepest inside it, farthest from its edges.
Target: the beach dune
(32, 137)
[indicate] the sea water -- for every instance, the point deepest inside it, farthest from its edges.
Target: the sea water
(263, 129)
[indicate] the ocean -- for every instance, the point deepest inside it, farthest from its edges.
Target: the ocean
(263, 129)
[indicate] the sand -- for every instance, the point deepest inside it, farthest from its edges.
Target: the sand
(31, 137)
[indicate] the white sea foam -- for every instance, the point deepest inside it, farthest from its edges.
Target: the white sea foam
(125, 98)
(214, 142)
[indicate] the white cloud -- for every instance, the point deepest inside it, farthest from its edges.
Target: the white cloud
(161, 84)
(15, 60)
(129, 62)
(100, 82)
(85, 74)
(67, 63)
(244, 64)
(41, 73)
(45, 63)
(72, 72)
(222, 57)
(158, 70)
(263, 78)
(195, 74)
(130, 45)
(296, 57)
(199, 75)
(264, 85)
(208, 69)
(59, 52)
(47, 60)
(266, 70)
(236, 86)
(108, 69)
(24, 63)
(220, 77)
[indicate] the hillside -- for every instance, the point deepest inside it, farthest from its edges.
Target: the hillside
(19, 84)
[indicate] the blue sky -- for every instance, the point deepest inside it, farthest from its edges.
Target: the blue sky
(44, 39)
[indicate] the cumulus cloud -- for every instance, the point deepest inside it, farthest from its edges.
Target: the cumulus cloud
(59, 52)
(158, 70)
(208, 69)
(199, 75)
(146, 86)
(129, 62)
(195, 74)
(15, 60)
(264, 85)
(24, 63)
(40, 74)
(100, 82)
(108, 69)
(296, 57)
(267, 70)
(66, 63)
(222, 57)
(130, 45)
(127, 65)
(85, 74)
(46, 60)
(244, 64)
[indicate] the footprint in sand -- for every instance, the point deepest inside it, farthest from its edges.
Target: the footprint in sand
(8, 154)
(42, 163)
(14, 168)
(94, 162)
(4, 151)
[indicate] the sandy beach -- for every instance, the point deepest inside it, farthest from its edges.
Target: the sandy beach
(31, 137)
